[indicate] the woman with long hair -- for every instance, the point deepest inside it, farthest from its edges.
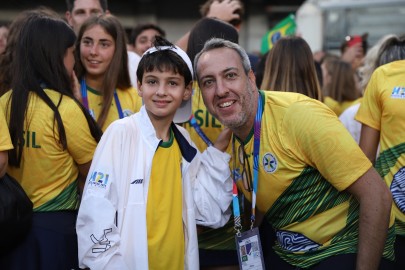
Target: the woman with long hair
(102, 69)
(290, 67)
(54, 139)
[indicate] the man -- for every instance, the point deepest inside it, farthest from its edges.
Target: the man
(79, 11)
(328, 206)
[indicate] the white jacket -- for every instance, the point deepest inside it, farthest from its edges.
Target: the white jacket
(111, 224)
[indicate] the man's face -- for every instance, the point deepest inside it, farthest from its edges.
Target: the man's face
(228, 93)
(82, 10)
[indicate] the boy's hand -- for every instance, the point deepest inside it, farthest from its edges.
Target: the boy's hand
(224, 10)
(223, 139)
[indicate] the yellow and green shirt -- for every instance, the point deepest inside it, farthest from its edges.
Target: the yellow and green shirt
(382, 108)
(47, 173)
(339, 108)
(5, 140)
(307, 159)
(164, 217)
(129, 99)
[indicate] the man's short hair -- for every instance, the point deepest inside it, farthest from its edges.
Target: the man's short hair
(218, 43)
(70, 4)
(204, 8)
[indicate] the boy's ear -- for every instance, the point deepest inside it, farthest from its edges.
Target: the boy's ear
(139, 88)
(188, 92)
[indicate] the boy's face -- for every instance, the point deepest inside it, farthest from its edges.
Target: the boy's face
(162, 93)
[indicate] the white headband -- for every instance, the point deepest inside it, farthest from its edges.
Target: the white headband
(175, 49)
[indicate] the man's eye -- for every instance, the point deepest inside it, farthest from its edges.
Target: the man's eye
(207, 83)
(231, 75)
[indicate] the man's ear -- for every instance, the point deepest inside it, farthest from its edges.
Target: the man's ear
(189, 91)
(107, 12)
(68, 17)
(252, 78)
(139, 88)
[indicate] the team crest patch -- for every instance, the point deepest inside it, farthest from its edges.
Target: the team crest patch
(270, 163)
(398, 92)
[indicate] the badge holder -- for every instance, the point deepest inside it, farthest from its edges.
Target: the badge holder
(249, 249)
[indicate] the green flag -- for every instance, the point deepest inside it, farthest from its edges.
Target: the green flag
(286, 27)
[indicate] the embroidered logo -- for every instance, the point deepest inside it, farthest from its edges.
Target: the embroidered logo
(398, 92)
(99, 179)
(270, 163)
(137, 181)
(102, 244)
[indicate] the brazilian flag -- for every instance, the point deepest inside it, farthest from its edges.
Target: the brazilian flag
(286, 27)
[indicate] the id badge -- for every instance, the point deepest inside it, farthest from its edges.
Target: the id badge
(249, 249)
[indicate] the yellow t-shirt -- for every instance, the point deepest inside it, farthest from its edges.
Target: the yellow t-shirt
(339, 108)
(129, 100)
(166, 243)
(382, 108)
(304, 168)
(5, 140)
(47, 173)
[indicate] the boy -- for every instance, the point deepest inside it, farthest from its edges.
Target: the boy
(148, 186)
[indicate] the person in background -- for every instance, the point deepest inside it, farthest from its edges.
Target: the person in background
(3, 37)
(339, 85)
(290, 67)
(327, 206)
(7, 57)
(383, 52)
(353, 50)
(383, 126)
(54, 139)
(5, 144)
(78, 11)
(154, 186)
(102, 70)
(219, 9)
(216, 246)
(142, 37)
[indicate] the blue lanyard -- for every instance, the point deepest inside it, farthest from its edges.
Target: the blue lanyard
(256, 148)
(199, 131)
(85, 100)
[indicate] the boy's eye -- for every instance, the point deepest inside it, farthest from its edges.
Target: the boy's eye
(172, 83)
(151, 82)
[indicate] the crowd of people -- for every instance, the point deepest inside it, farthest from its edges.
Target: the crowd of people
(138, 152)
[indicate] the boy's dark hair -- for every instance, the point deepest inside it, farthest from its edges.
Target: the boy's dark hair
(163, 60)
(142, 27)
(70, 4)
(204, 8)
